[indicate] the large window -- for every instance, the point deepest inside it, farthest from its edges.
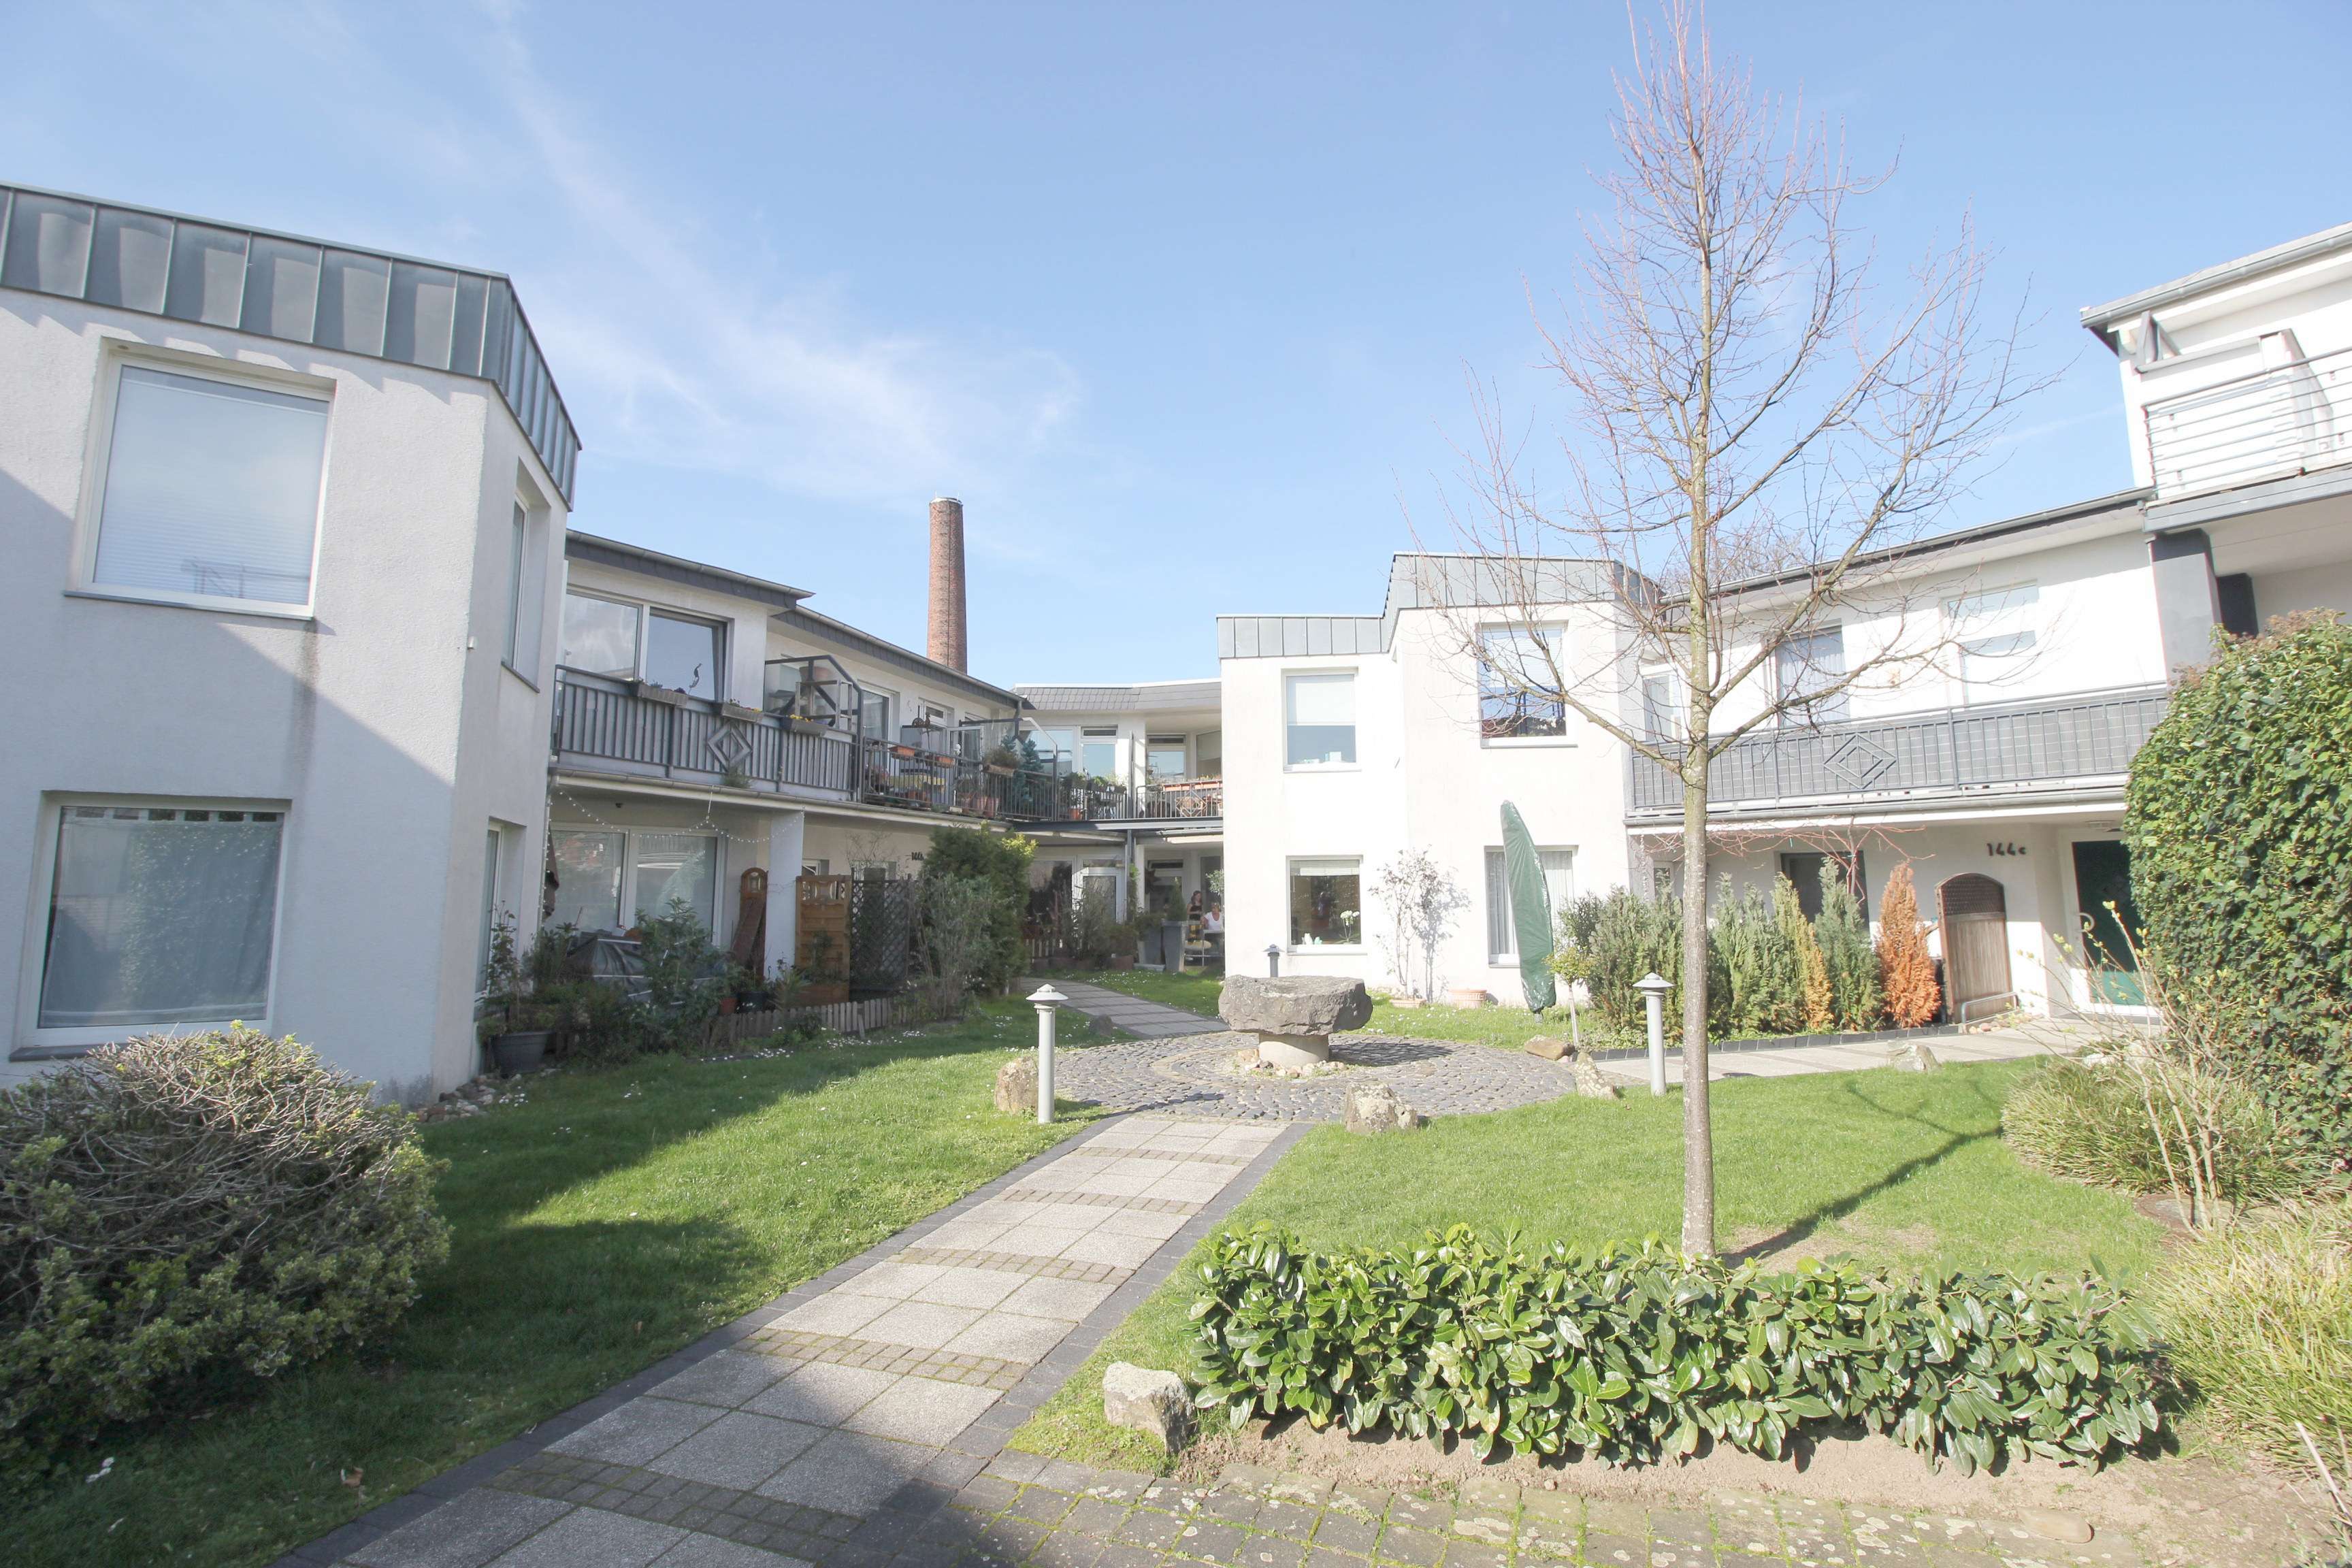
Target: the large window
(1806, 665)
(212, 490)
(1163, 757)
(1098, 753)
(1662, 709)
(1803, 869)
(1519, 672)
(160, 914)
(1560, 886)
(609, 881)
(875, 715)
(1320, 717)
(1995, 635)
(1327, 903)
(683, 655)
(1213, 753)
(1057, 749)
(600, 636)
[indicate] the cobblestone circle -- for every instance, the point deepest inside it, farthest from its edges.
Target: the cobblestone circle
(1180, 1075)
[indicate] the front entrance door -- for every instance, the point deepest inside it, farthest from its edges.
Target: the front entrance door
(2110, 922)
(1976, 941)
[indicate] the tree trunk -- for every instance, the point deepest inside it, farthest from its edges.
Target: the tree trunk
(1698, 1131)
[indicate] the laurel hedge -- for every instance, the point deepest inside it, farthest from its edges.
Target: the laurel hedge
(2240, 823)
(1639, 1355)
(183, 1213)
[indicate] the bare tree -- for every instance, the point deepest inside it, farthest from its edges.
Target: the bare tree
(1758, 435)
(1422, 899)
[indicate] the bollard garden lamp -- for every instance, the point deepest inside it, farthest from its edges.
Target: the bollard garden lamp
(1273, 961)
(1047, 1001)
(1654, 987)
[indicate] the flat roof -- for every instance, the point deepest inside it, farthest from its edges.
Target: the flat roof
(1143, 696)
(2099, 318)
(286, 286)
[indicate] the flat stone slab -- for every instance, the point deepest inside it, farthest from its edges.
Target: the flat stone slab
(1293, 1004)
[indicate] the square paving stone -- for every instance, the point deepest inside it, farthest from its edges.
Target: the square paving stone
(1606, 1550)
(1323, 1557)
(1159, 1530)
(848, 1473)
(698, 1551)
(1094, 1516)
(926, 1325)
(1464, 1553)
(1344, 1532)
(591, 1538)
(637, 1431)
(1035, 1240)
(726, 1379)
(961, 1287)
(823, 1395)
(463, 1532)
(919, 1410)
(1069, 1299)
(1213, 1539)
(1011, 1336)
(894, 1281)
(1061, 1550)
(1111, 1249)
(738, 1450)
(1420, 1548)
(835, 1313)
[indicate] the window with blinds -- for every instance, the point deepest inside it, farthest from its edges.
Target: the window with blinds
(1560, 886)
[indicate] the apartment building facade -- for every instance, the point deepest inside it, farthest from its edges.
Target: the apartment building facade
(284, 521)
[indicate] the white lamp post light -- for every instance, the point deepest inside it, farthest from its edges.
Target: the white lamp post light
(1654, 987)
(1047, 1001)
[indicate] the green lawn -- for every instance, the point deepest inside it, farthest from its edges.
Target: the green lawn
(1896, 1168)
(613, 1218)
(1509, 1028)
(1192, 991)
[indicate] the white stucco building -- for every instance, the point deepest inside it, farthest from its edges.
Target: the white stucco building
(284, 525)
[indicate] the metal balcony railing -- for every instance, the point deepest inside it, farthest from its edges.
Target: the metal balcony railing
(622, 726)
(2271, 424)
(1954, 752)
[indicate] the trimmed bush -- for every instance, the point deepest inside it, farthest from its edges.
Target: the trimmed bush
(2239, 817)
(2092, 1123)
(1763, 991)
(1905, 972)
(1855, 999)
(181, 1209)
(1000, 861)
(1624, 938)
(2257, 1320)
(1637, 1355)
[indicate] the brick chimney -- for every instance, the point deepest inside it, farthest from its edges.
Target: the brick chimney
(947, 631)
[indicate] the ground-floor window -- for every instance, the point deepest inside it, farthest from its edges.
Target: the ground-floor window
(1560, 886)
(607, 879)
(1803, 869)
(159, 912)
(1327, 903)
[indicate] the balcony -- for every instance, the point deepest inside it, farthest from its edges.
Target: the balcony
(1160, 802)
(2271, 424)
(1958, 754)
(613, 725)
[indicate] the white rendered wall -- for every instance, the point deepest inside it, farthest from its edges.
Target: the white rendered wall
(390, 745)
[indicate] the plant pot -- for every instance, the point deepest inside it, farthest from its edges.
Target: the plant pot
(1403, 1001)
(1122, 961)
(1465, 997)
(520, 1051)
(726, 1005)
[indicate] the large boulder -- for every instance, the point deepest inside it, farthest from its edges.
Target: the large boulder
(1148, 1401)
(1294, 1004)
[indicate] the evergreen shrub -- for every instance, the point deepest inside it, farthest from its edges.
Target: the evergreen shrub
(1856, 1001)
(1634, 1356)
(2239, 818)
(183, 1212)
(1002, 861)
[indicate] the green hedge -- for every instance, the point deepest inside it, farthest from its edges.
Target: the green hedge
(1636, 1355)
(2240, 822)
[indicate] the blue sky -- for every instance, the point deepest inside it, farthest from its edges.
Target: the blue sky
(1182, 300)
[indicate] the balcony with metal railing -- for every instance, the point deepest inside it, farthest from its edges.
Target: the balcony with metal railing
(2269, 423)
(607, 724)
(1958, 754)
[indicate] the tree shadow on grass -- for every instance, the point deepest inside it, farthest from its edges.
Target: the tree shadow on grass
(1953, 1140)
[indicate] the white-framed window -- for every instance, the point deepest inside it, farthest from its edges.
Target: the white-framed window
(1995, 633)
(1662, 705)
(1058, 748)
(1807, 663)
(161, 913)
(1163, 757)
(210, 494)
(1319, 718)
(1560, 886)
(490, 858)
(611, 878)
(526, 588)
(1213, 753)
(1098, 752)
(643, 642)
(1519, 694)
(1327, 903)
(874, 714)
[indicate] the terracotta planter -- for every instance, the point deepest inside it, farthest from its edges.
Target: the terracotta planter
(1465, 997)
(1122, 961)
(1404, 1002)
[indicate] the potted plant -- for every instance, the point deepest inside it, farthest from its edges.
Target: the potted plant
(510, 1022)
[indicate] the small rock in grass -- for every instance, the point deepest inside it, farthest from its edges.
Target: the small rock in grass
(1148, 1401)
(1551, 1047)
(1376, 1108)
(1017, 1085)
(1913, 1056)
(2057, 1524)
(1591, 1081)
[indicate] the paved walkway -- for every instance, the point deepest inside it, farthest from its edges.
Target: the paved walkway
(835, 1426)
(1147, 1020)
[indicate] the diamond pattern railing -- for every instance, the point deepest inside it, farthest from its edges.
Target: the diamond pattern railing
(1950, 752)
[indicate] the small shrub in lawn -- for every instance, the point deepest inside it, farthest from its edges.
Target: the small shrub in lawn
(2256, 1319)
(2098, 1123)
(1637, 1355)
(184, 1207)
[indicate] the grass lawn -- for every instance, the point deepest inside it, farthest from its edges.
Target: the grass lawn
(614, 1218)
(1896, 1168)
(1192, 991)
(1509, 1028)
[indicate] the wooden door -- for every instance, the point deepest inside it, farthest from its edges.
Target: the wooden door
(1976, 941)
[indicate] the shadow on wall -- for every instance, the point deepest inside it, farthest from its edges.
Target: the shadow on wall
(161, 703)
